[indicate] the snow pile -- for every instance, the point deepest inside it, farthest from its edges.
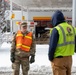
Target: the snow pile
(34, 70)
(42, 70)
(5, 45)
(73, 70)
(41, 66)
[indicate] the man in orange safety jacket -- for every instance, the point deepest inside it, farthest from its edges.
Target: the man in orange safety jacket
(22, 50)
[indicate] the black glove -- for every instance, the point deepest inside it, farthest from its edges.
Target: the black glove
(12, 57)
(32, 59)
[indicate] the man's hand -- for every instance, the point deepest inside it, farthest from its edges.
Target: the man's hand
(32, 59)
(12, 57)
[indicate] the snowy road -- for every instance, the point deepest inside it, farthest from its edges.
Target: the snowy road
(40, 67)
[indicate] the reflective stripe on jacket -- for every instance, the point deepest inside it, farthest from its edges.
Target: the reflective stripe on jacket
(75, 30)
(66, 42)
(23, 42)
(51, 30)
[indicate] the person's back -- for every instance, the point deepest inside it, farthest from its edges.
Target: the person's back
(62, 45)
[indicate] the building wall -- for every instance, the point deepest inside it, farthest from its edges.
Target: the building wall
(29, 16)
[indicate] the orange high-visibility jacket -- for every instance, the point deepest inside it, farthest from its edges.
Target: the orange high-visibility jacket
(23, 42)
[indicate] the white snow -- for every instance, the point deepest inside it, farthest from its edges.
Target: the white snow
(40, 59)
(5, 55)
(5, 45)
(41, 66)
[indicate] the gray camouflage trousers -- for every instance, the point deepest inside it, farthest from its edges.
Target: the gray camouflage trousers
(24, 63)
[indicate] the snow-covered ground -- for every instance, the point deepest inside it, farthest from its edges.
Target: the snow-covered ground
(41, 66)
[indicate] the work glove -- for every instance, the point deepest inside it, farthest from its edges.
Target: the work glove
(12, 58)
(32, 59)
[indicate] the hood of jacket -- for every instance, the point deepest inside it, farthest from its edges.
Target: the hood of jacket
(57, 18)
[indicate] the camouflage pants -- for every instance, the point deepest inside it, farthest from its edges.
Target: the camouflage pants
(24, 66)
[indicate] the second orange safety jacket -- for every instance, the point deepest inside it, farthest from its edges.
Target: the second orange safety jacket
(23, 42)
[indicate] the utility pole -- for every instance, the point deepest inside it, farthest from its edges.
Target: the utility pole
(11, 27)
(74, 13)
